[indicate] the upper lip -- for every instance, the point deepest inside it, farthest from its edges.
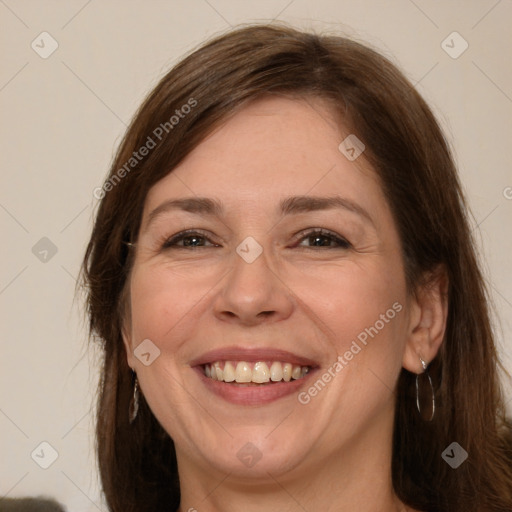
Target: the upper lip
(251, 355)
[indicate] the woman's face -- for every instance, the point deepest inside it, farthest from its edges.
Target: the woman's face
(290, 274)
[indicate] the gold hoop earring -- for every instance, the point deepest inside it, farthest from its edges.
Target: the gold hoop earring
(134, 403)
(426, 408)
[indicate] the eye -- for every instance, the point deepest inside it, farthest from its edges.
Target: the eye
(322, 238)
(191, 239)
(188, 239)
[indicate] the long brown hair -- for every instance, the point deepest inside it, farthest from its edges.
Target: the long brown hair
(406, 147)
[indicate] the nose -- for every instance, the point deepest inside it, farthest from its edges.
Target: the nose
(253, 293)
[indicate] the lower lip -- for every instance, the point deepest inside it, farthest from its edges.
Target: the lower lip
(252, 395)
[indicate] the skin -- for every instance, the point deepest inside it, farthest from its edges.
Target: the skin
(333, 453)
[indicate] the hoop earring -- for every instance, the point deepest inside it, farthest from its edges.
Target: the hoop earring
(134, 403)
(429, 406)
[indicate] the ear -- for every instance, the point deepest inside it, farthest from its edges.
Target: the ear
(127, 341)
(126, 329)
(427, 320)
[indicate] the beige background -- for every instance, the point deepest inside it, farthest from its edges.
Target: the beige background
(64, 115)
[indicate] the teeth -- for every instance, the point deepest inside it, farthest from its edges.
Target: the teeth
(276, 372)
(287, 372)
(296, 373)
(229, 372)
(243, 372)
(218, 371)
(258, 373)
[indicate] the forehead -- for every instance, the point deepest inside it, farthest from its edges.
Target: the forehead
(273, 147)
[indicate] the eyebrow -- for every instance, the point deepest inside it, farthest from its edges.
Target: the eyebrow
(288, 206)
(302, 204)
(198, 205)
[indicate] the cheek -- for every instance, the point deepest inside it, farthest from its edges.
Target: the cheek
(360, 309)
(163, 300)
(363, 307)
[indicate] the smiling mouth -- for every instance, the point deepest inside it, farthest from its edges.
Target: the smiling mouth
(254, 373)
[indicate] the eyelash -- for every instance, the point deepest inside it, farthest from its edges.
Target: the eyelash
(170, 243)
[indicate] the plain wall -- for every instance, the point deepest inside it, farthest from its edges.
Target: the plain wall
(63, 116)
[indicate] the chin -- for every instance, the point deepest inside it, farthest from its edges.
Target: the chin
(254, 454)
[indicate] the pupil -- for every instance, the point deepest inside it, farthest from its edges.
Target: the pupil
(191, 241)
(319, 240)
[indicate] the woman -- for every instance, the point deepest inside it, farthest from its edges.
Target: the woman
(284, 281)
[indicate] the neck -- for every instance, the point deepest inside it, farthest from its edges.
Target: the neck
(357, 477)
